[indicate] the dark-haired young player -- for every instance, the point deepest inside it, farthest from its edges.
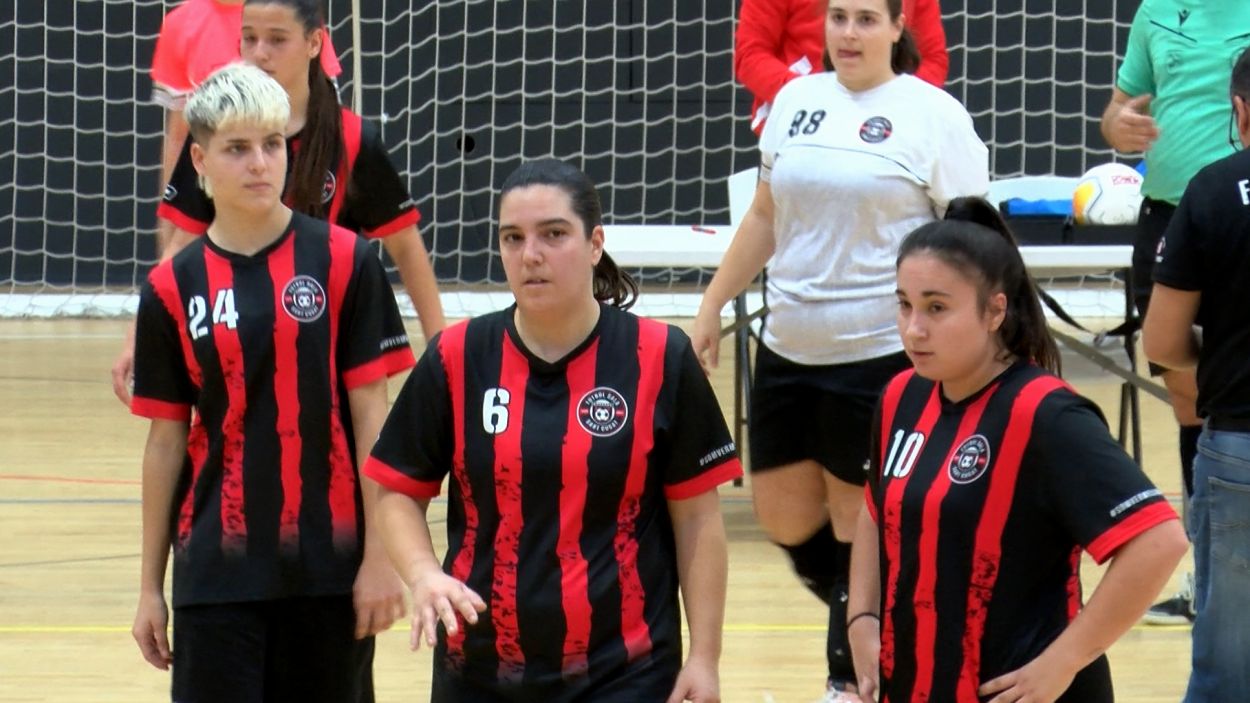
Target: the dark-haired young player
(338, 168)
(850, 162)
(262, 352)
(584, 447)
(989, 477)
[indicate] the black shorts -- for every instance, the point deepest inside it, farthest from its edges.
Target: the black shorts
(819, 412)
(1152, 222)
(650, 678)
(294, 649)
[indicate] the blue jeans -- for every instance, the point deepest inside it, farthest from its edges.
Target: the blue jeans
(1219, 517)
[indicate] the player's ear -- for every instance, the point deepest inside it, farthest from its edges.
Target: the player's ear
(596, 244)
(316, 39)
(996, 310)
(197, 157)
(1242, 110)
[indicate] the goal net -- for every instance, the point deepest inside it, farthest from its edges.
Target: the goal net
(639, 93)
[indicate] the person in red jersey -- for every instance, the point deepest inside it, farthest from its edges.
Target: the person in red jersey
(584, 447)
(198, 37)
(262, 352)
(779, 40)
(338, 169)
(989, 477)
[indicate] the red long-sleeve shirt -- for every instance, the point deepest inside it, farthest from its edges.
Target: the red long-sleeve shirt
(779, 40)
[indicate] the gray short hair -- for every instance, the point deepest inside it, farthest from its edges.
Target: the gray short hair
(237, 93)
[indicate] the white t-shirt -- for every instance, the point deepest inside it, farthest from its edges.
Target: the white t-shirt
(851, 175)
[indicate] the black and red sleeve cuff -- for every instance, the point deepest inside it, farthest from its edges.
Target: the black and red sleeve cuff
(405, 219)
(181, 220)
(397, 481)
(705, 481)
(154, 409)
(385, 366)
(1124, 531)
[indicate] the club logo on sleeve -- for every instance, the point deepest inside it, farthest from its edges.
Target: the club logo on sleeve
(970, 460)
(304, 299)
(170, 193)
(875, 130)
(602, 412)
(328, 187)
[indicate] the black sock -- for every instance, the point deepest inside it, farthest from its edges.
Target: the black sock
(1189, 449)
(815, 561)
(837, 644)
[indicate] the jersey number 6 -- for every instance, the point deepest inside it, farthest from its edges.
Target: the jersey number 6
(495, 410)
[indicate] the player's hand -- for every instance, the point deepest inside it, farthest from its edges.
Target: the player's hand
(865, 638)
(124, 369)
(377, 594)
(437, 597)
(1132, 128)
(1042, 680)
(705, 336)
(151, 620)
(697, 682)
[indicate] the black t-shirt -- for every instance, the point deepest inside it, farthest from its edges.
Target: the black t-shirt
(1206, 248)
(560, 476)
(363, 192)
(259, 352)
(983, 508)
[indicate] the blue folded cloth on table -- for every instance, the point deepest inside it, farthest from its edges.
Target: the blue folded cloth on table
(1020, 207)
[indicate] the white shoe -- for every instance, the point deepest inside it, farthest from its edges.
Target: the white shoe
(833, 695)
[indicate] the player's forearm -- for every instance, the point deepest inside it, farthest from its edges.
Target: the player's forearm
(749, 251)
(408, 251)
(405, 531)
(163, 457)
(176, 131)
(703, 570)
(368, 405)
(1137, 574)
(865, 591)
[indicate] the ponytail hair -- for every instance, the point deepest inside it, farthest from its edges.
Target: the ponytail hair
(611, 285)
(974, 240)
(904, 55)
(321, 140)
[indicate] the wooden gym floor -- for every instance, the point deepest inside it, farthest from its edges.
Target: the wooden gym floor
(70, 529)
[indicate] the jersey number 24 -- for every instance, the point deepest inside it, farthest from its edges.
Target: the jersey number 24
(223, 312)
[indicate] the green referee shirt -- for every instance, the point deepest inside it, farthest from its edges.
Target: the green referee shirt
(1182, 52)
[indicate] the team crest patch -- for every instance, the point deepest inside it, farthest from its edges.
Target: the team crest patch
(970, 460)
(170, 193)
(602, 412)
(328, 186)
(304, 299)
(875, 130)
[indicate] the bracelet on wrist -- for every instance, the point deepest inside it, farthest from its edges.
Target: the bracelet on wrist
(866, 614)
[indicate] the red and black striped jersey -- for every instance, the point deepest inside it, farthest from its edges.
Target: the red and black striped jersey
(259, 353)
(560, 475)
(362, 191)
(983, 508)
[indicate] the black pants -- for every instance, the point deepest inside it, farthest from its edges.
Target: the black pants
(294, 649)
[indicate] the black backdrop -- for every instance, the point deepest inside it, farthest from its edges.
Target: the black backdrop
(655, 127)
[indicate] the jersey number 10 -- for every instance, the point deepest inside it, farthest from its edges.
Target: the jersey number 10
(904, 451)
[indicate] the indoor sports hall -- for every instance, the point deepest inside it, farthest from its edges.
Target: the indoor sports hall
(640, 94)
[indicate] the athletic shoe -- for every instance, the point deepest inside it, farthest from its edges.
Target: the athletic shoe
(1177, 610)
(839, 693)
